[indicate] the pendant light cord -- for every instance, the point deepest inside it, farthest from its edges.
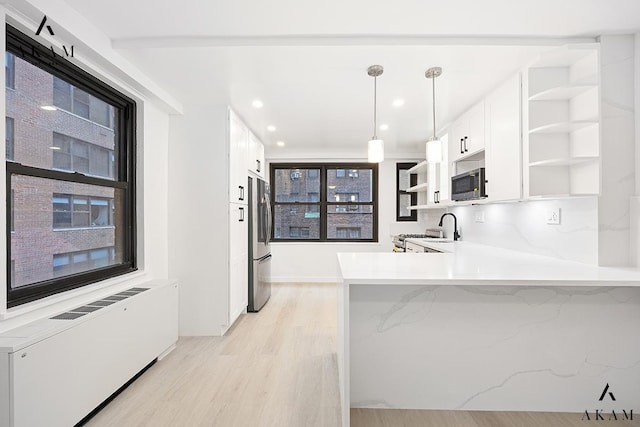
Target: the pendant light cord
(434, 107)
(375, 86)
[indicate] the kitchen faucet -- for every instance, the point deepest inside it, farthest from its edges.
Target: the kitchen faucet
(456, 235)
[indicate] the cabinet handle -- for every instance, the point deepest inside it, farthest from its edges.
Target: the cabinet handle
(461, 149)
(241, 197)
(465, 144)
(257, 165)
(241, 219)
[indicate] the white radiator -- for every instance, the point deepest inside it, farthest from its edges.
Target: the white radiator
(54, 372)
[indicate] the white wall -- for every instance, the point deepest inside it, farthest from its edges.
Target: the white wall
(152, 154)
(635, 201)
(316, 262)
(522, 226)
(617, 149)
(198, 217)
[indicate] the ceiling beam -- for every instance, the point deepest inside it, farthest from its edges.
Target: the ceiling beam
(341, 40)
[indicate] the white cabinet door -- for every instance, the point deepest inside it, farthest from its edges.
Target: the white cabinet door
(238, 260)
(238, 146)
(255, 161)
(474, 140)
(459, 129)
(504, 165)
(467, 133)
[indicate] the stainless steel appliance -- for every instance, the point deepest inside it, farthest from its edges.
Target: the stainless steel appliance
(399, 240)
(469, 185)
(259, 238)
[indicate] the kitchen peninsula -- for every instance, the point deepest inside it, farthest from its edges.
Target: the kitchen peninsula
(483, 328)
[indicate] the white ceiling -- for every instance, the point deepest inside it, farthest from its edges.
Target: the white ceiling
(307, 60)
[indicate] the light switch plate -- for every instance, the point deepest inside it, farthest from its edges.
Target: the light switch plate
(553, 216)
(479, 216)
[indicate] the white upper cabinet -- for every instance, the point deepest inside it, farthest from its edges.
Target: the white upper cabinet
(238, 147)
(504, 145)
(255, 160)
(467, 133)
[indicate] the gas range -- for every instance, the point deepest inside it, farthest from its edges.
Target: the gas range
(399, 239)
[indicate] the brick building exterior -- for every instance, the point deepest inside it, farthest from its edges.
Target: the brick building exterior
(301, 220)
(58, 227)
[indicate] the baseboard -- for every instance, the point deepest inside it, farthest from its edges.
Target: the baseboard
(166, 352)
(309, 279)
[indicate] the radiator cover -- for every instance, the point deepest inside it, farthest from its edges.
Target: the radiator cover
(66, 368)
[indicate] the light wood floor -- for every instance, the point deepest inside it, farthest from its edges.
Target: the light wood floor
(276, 368)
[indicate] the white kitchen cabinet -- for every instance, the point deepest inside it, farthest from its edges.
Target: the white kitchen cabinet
(504, 145)
(563, 126)
(255, 160)
(238, 260)
(238, 149)
(467, 133)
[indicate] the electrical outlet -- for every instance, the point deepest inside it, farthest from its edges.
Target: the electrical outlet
(479, 216)
(553, 216)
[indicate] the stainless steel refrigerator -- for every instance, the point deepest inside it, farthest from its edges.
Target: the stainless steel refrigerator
(259, 238)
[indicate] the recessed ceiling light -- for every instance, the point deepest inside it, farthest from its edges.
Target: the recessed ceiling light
(257, 103)
(280, 143)
(48, 107)
(271, 128)
(54, 148)
(384, 127)
(399, 102)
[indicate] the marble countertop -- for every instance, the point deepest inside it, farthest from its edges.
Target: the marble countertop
(466, 263)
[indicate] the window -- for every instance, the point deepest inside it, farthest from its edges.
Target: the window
(324, 202)
(71, 188)
(404, 199)
(302, 232)
(9, 71)
(77, 101)
(348, 232)
(72, 154)
(8, 138)
(74, 262)
(71, 211)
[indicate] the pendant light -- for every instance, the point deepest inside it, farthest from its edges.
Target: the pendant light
(376, 146)
(434, 145)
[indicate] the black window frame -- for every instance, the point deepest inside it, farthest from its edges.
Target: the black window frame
(44, 58)
(323, 205)
(413, 181)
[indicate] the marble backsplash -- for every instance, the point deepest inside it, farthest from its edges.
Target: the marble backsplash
(523, 226)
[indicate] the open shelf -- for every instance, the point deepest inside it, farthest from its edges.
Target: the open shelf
(562, 92)
(441, 205)
(420, 167)
(568, 161)
(563, 127)
(416, 188)
(565, 56)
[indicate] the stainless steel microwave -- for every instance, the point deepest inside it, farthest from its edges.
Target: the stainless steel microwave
(469, 185)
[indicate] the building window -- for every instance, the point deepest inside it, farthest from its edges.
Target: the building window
(79, 261)
(348, 232)
(75, 100)
(71, 154)
(324, 202)
(73, 171)
(71, 211)
(9, 71)
(8, 137)
(301, 232)
(404, 199)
